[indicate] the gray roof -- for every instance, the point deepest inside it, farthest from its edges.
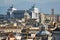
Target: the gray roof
(41, 33)
(20, 13)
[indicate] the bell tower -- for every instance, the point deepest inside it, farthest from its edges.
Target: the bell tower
(52, 14)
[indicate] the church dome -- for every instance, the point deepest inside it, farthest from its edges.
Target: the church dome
(43, 31)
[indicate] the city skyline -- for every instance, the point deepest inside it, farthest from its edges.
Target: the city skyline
(43, 6)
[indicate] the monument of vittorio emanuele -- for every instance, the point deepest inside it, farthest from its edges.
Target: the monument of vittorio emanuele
(30, 23)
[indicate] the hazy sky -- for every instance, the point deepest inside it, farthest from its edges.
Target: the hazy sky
(44, 6)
